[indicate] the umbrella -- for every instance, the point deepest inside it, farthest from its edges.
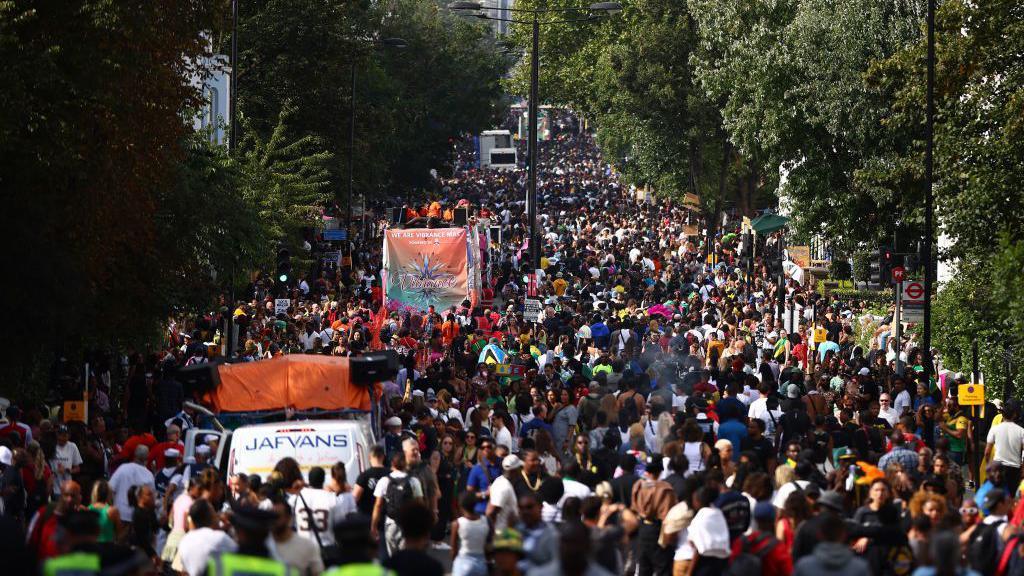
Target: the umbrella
(492, 354)
(768, 223)
(660, 309)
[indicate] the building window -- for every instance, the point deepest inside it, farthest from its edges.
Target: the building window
(210, 118)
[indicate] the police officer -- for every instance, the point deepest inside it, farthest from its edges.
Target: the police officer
(80, 530)
(252, 527)
(357, 548)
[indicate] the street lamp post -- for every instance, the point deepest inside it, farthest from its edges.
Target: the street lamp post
(929, 199)
(381, 43)
(593, 12)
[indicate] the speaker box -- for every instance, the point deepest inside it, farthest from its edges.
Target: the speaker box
(398, 215)
(371, 368)
(461, 216)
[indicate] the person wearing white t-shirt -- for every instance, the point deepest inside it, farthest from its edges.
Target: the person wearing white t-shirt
(573, 489)
(500, 432)
(1005, 443)
(296, 551)
(502, 503)
(315, 512)
(66, 461)
(130, 475)
(392, 533)
(202, 541)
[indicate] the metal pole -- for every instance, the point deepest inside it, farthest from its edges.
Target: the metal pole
(929, 215)
(975, 370)
(351, 150)
(531, 197)
(897, 319)
(229, 338)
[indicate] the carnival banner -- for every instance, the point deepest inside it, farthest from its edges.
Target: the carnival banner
(426, 267)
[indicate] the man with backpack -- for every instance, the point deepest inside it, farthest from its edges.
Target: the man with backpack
(760, 553)
(986, 544)
(392, 492)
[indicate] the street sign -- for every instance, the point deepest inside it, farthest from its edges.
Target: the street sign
(897, 274)
(913, 293)
(281, 305)
(335, 235)
(532, 310)
(912, 315)
(971, 395)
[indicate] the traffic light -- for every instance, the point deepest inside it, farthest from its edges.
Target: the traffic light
(284, 265)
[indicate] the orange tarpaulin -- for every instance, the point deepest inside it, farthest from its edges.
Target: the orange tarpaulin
(298, 381)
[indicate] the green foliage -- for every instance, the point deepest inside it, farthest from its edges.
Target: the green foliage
(408, 102)
(839, 269)
(631, 75)
(872, 297)
(862, 266)
(93, 96)
(285, 179)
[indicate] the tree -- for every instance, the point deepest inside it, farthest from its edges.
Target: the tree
(95, 97)
(409, 102)
(285, 179)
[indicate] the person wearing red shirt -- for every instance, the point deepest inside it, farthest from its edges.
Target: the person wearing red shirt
(13, 426)
(156, 453)
(44, 529)
(776, 559)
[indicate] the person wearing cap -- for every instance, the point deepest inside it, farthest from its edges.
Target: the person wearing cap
(830, 504)
(831, 556)
(252, 558)
(507, 551)
(501, 506)
(651, 501)
(775, 558)
(202, 462)
(130, 475)
(66, 461)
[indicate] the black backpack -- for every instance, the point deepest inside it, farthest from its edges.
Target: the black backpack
(399, 491)
(984, 547)
(748, 563)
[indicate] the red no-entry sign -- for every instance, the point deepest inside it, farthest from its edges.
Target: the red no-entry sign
(913, 292)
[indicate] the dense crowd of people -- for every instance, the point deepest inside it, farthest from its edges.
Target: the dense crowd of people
(662, 418)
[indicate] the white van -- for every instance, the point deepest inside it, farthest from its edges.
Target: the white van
(256, 449)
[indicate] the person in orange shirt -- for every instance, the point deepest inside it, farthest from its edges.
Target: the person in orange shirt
(449, 330)
(434, 211)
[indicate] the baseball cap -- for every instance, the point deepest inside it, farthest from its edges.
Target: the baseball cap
(792, 391)
(511, 462)
(764, 511)
(993, 498)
